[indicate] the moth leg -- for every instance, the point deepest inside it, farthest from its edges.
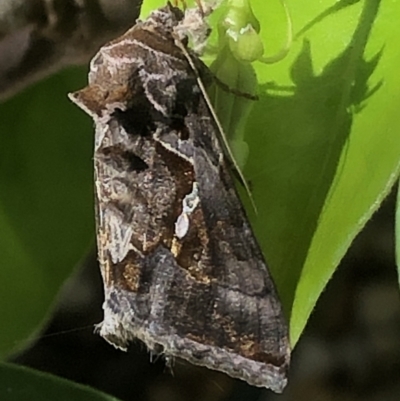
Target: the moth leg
(234, 91)
(208, 77)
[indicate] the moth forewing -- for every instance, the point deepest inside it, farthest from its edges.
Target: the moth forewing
(182, 269)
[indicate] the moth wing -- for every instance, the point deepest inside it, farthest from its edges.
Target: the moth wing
(219, 307)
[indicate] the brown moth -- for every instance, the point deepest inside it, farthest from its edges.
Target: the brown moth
(182, 269)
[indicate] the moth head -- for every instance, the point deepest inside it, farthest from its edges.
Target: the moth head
(166, 18)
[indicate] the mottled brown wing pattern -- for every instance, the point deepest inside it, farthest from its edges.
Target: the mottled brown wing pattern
(181, 267)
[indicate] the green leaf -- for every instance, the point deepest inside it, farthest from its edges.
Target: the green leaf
(46, 208)
(21, 384)
(323, 139)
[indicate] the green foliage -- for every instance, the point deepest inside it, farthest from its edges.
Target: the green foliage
(46, 208)
(21, 384)
(324, 143)
(324, 151)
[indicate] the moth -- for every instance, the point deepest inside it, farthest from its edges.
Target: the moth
(181, 267)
